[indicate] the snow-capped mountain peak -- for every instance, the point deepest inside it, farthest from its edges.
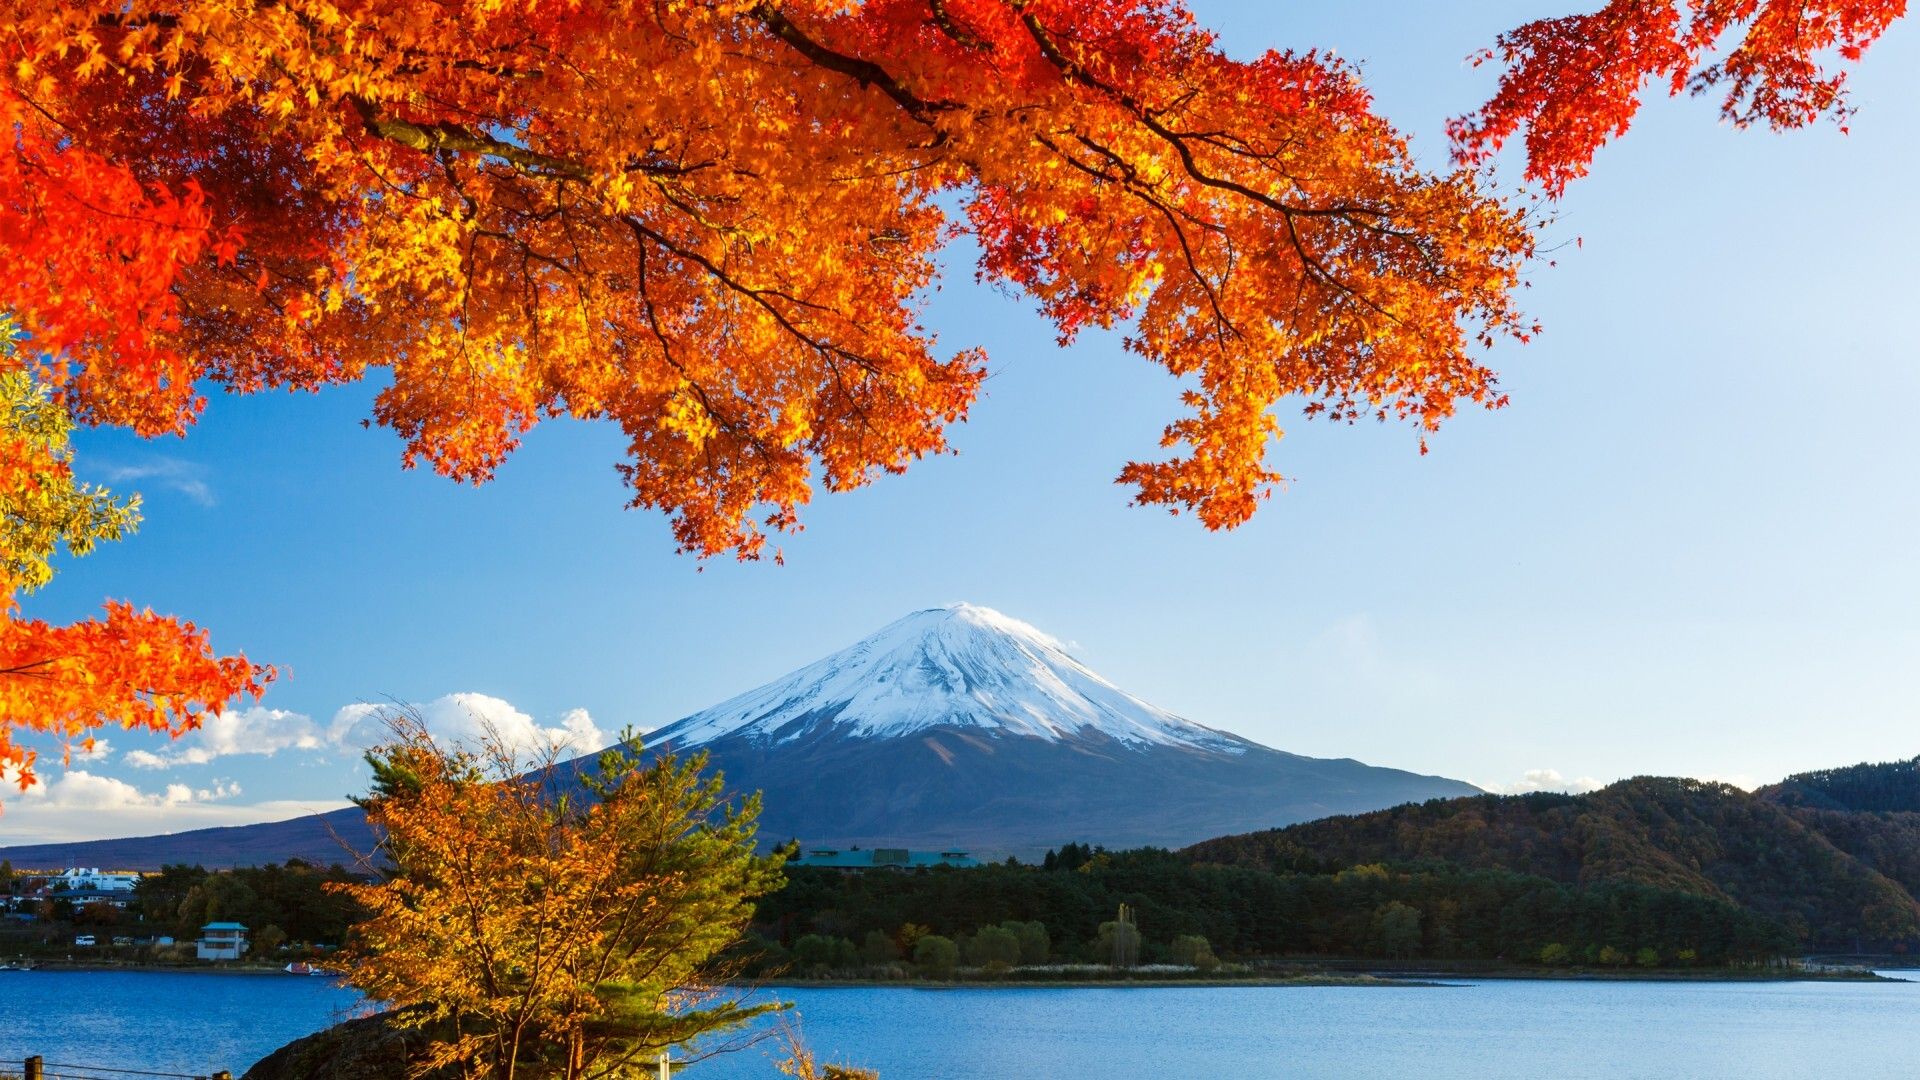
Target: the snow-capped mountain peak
(957, 666)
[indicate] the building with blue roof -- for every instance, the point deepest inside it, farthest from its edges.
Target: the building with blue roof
(856, 859)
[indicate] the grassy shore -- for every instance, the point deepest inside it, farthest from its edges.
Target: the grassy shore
(1017, 979)
(61, 963)
(1116, 983)
(1675, 975)
(1386, 978)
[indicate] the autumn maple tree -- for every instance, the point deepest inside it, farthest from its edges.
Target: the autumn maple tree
(714, 223)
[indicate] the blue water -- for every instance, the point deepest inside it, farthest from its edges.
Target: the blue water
(1750, 1031)
(188, 1022)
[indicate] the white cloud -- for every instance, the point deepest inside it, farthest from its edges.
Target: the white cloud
(254, 730)
(451, 717)
(78, 789)
(466, 717)
(174, 474)
(79, 804)
(1546, 780)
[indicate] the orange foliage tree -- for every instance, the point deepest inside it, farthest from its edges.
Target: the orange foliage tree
(535, 921)
(1572, 83)
(712, 223)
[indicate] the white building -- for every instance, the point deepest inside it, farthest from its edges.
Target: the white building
(221, 941)
(90, 879)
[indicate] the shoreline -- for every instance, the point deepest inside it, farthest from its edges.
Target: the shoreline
(1418, 979)
(182, 969)
(1093, 984)
(1387, 979)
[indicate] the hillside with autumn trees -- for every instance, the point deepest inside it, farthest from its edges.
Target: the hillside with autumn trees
(1837, 879)
(1652, 872)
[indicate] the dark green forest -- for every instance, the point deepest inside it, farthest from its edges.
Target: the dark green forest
(827, 919)
(1652, 872)
(1885, 787)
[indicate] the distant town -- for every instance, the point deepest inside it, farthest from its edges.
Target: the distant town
(179, 916)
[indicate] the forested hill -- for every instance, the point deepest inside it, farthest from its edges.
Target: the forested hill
(1871, 812)
(1891, 786)
(1814, 871)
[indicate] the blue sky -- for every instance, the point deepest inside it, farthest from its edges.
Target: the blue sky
(1686, 548)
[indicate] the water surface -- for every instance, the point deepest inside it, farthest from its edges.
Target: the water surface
(189, 1022)
(1489, 1029)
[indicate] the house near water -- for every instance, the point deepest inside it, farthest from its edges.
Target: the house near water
(221, 941)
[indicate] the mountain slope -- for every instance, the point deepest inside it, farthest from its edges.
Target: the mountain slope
(1707, 839)
(1869, 811)
(954, 727)
(959, 727)
(339, 836)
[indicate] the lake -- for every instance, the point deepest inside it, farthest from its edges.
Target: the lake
(1480, 1029)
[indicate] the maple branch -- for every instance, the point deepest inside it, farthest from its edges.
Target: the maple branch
(827, 350)
(757, 295)
(1129, 180)
(951, 27)
(666, 353)
(430, 138)
(1073, 72)
(865, 72)
(26, 671)
(1315, 268)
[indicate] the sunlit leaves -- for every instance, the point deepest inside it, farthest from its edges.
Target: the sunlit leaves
(43, 508)
(1573, 82)
(131, 668)
(714, 224)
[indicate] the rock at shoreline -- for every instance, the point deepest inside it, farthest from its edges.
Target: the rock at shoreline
(367, 1048)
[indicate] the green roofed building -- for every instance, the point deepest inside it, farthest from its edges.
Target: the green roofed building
(884, 858)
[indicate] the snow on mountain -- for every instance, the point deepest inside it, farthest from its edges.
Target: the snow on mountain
(956, 666)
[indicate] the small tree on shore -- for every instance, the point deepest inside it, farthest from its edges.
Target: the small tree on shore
(1396, 929)
(879, 948)
(1035, 945)
(546, 923)
(994, 947)
(1118, 942)
(936, 956)
(1192, 950)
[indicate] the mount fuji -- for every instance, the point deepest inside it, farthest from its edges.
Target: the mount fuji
(960, 727)
(958, 667)
(951, 728)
